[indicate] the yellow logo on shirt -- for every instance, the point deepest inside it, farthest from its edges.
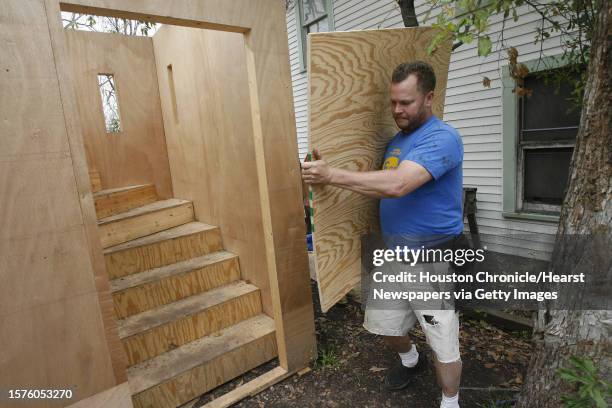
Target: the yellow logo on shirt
(391, 163)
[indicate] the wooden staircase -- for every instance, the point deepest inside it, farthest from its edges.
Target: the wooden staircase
(187, 321)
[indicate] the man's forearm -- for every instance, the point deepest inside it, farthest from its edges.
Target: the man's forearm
(377, 184)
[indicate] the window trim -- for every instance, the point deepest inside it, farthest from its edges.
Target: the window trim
(302, 35)
(510, 193)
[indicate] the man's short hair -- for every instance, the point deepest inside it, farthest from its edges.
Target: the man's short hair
(426, 78)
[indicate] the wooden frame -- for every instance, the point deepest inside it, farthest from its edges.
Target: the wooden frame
(264, 30)
(262, 23)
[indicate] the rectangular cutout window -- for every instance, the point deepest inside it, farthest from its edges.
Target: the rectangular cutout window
(172, 93)
(110, 103)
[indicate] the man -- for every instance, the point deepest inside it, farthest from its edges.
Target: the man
(420, 188)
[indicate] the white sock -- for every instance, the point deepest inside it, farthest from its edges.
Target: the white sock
(410, 358)
(450, 402)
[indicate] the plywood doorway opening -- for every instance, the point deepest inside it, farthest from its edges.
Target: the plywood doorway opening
(229, 153)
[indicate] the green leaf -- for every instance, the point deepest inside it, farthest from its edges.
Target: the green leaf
(568, 375)
(465, 38)
(598, 398)
(441, 36)
(484, 46)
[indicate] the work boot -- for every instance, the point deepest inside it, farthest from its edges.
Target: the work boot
(400, 376)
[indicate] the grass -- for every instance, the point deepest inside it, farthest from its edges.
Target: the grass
(327, 357)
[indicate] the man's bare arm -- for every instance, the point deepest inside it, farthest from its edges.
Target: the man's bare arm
(379, 184)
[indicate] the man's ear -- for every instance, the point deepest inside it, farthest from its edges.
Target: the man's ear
(429, 99)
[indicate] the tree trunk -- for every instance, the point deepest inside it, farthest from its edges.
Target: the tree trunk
(408, 13)
(587, 209)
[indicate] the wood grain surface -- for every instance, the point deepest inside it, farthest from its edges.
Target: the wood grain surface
(182, 374)
(115, 201)
(350, 124)
(174, 282)
(164, 248)
(138, 222)
(50, 313)
(205, 314)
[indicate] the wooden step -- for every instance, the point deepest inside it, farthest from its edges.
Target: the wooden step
(145, 220)
(136, 293)
(118, 200)
(193, 369)
(162, 329)
(96, 181)
(163, 248)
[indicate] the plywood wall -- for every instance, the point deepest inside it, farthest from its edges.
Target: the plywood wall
(350, 123)
(51, 327)
(205, 99)
(136, 155)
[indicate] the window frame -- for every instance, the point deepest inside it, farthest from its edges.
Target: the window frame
(302, 35)
(512, 193)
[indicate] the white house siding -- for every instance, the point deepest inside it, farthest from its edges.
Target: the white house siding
(475, 111)
(300, 88)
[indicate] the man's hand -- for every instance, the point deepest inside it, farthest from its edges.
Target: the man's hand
(317, 171)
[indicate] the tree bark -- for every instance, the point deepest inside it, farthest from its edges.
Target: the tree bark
(587, 209)
(408, 13)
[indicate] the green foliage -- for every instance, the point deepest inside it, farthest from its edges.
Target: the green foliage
(124, 26)
(464, 21)
(327, 357)
(113, 126)
(591, 390)
(484, 45)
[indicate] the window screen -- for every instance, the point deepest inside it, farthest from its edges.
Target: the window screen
(546, 173)
(548, 114)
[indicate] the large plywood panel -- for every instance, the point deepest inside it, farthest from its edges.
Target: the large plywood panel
(137, 154)
(204, 93)
(350, 124)
(50, 311)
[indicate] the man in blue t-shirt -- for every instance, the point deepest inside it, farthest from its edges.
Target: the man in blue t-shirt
(420, 191)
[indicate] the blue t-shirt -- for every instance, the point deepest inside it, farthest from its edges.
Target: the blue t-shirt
(435, 208)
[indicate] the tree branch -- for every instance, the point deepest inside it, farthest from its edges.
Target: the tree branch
(408, 13)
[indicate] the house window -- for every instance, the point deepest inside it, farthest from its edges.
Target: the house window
(539, 136)
(547, 128)
(313, 16)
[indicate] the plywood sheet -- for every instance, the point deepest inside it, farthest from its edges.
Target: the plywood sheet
(52, 316)
(137, 154)
(350, 124)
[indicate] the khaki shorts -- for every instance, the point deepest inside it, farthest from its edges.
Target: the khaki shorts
(441, 327)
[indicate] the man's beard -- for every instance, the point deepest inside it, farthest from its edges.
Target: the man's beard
(415, 123)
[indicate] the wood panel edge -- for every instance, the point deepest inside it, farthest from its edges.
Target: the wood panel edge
(118, 359)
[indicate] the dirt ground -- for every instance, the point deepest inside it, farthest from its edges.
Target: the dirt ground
(352, 363)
